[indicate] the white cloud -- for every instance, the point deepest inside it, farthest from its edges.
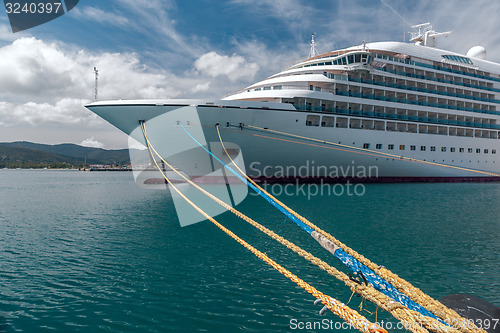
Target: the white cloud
(32, 67)
(271, 60)
(6, 34)
(294, 12)
(67, 112)
(91, 142)
(234, 67)
(36, 71)
(99, 15)
(44, 87)
(201, 87)
(155, 17)
(302, 18)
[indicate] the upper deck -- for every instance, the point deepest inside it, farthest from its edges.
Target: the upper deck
(411, 53)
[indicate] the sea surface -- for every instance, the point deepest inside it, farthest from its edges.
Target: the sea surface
(91, 252)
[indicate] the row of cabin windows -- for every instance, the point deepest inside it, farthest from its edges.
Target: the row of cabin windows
(414, 85)
(432, 148)
(438, 77)
(394, 112)
(412, 97)
(444, 67)
(267, 88)
(379, 125)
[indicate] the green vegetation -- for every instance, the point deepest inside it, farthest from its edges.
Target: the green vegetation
(32, 155)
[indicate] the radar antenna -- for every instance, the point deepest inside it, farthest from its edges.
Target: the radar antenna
(313, 52)
(96, 73)
(425, 35)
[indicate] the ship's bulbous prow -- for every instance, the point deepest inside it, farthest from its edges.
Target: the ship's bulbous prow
(478, 52)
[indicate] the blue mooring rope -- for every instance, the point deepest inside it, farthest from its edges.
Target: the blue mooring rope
(352, 263)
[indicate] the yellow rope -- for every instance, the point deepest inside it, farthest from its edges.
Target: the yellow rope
(448, 315)
(412, 319)
(351, 316)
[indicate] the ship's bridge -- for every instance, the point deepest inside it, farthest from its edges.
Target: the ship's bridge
(353, 59)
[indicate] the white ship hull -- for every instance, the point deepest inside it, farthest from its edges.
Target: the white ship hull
(284, 157)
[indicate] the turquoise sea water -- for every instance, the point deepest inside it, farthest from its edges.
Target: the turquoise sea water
(90, 251)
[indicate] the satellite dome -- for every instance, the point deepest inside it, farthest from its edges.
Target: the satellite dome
(477, 52)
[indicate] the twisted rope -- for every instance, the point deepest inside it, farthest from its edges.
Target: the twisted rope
(351, 316)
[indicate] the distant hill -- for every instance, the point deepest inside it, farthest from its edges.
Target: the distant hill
(24, 154)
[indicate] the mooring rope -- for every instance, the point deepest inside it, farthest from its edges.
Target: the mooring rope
(351, 316)
(413, 320)
(436, 307)
(357, 267)
(383, 286)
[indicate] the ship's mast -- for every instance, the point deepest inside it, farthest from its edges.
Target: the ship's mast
(425, 35)
(313, 52)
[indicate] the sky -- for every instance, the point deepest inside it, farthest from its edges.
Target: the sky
(193, 49)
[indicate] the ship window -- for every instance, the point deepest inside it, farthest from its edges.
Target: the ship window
(312, 120)
(379, 146)
(390, 147)
(344, 60)
(433, 148)
(342, 122)
(328, 121)
(350, 59)
(493, 151)
(257, 89)
(357, 57)
(401, 147)
(478, 151)
(318, 89)
(486, 151)
(366, 146)
(443, 149)
(311, 87)
(277, 87)
(267, 88)
(413, 148)
(452, 149)
(423, 148)
(458, 59)
(328, 63)
(469, 150)
(462, 150)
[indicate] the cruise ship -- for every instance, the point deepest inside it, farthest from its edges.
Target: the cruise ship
(382, 111)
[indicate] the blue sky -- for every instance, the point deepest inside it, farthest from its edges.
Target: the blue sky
(192, 49)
